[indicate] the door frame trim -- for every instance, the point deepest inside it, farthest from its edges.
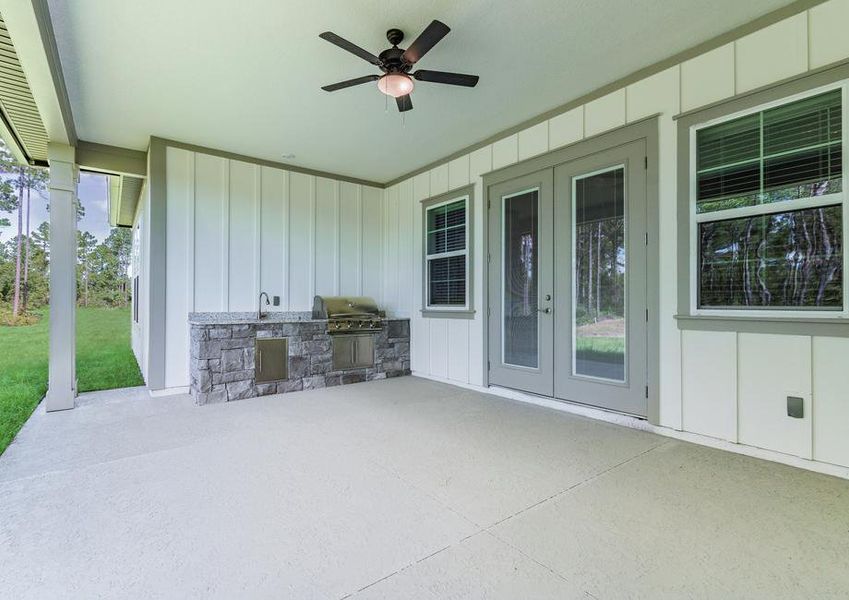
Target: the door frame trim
(646, 129)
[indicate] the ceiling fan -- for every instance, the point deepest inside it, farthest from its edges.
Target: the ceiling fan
(397, 64)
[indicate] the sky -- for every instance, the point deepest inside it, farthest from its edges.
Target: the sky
(93, 193)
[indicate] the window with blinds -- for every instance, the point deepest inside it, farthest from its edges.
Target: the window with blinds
(446, 257)
(769, 204)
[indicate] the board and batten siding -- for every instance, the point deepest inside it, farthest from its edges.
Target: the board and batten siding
(708, 381)
(141, 268)
(235, 229)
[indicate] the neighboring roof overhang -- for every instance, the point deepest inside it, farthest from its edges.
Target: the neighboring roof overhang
(21, 126)
(124, 194)
(127, 170)
(34, 107)
(40, 99)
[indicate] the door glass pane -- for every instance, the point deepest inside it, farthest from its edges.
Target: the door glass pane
(520, 277)
(598, 278)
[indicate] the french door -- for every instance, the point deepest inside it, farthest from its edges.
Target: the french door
(567, 281)
(521, 245)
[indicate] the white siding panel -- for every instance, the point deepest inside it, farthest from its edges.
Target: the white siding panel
(458, 172)
(180, 193)
(301, 199)
(602, 114)
(458, 350)
(505, 152)
(831, 400)
(439, 180)
(420, 327)
(273, 234)
(773, 53)
(138, 329)
(350, 239)
(326, 237)
(390, 250)
(707, 78)
(670, 337)
(372, 243)
(243, 236)
(656, 94)
(709, 383)
(770, 368)
(407, 250)
(439, 347)
(828, 40)
(211, 197)
(566, 128)
(533, 140)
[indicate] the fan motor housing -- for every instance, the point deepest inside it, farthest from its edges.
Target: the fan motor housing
(393, 61)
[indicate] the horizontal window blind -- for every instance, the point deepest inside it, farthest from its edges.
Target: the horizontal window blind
(447, 280)
(789, 152)
(446, 231)
(446, 228)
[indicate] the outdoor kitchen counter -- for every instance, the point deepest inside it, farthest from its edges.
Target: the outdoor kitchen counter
(222, 354)
(248, 318)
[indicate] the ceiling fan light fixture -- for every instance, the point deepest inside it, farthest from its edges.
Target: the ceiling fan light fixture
(396, 65)
(395, 84)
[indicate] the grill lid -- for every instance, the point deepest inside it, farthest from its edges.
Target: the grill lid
(344, 307)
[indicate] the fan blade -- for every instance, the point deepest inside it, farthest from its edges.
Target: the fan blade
(404, 103)
(427, 40)
(349, 83)
(350, 47)
(449, 78)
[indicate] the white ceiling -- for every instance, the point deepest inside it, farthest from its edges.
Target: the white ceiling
(245, 76)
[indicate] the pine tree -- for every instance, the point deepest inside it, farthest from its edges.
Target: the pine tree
(36, 180)
(23, 178)
(86, 243)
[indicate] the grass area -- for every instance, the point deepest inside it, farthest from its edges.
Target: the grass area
(104, 361)
(605, 349)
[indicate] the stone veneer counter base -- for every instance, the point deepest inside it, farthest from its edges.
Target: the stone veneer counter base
(223, 355)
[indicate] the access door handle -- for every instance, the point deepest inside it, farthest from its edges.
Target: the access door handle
(544, 310)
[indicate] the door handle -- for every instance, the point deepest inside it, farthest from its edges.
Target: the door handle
(544, 310)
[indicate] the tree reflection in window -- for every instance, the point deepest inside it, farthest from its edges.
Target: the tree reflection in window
(782, 260)
(527, 258)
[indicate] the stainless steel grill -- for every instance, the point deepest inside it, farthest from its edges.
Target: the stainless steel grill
(348, 314)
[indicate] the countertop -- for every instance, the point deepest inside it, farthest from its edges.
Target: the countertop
(249, 318)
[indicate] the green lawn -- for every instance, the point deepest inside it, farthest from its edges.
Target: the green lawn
(604, 349)
(104, 361)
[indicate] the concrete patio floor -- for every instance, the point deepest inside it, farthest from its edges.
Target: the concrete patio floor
(399, 489)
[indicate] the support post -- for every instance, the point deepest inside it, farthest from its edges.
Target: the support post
(62, 383)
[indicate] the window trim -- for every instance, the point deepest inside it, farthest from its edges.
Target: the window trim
(694, 219)
(441, 311)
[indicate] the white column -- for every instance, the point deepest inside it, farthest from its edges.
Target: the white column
(62, 383)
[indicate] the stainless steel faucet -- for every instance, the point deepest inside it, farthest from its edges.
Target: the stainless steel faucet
(259, 313)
